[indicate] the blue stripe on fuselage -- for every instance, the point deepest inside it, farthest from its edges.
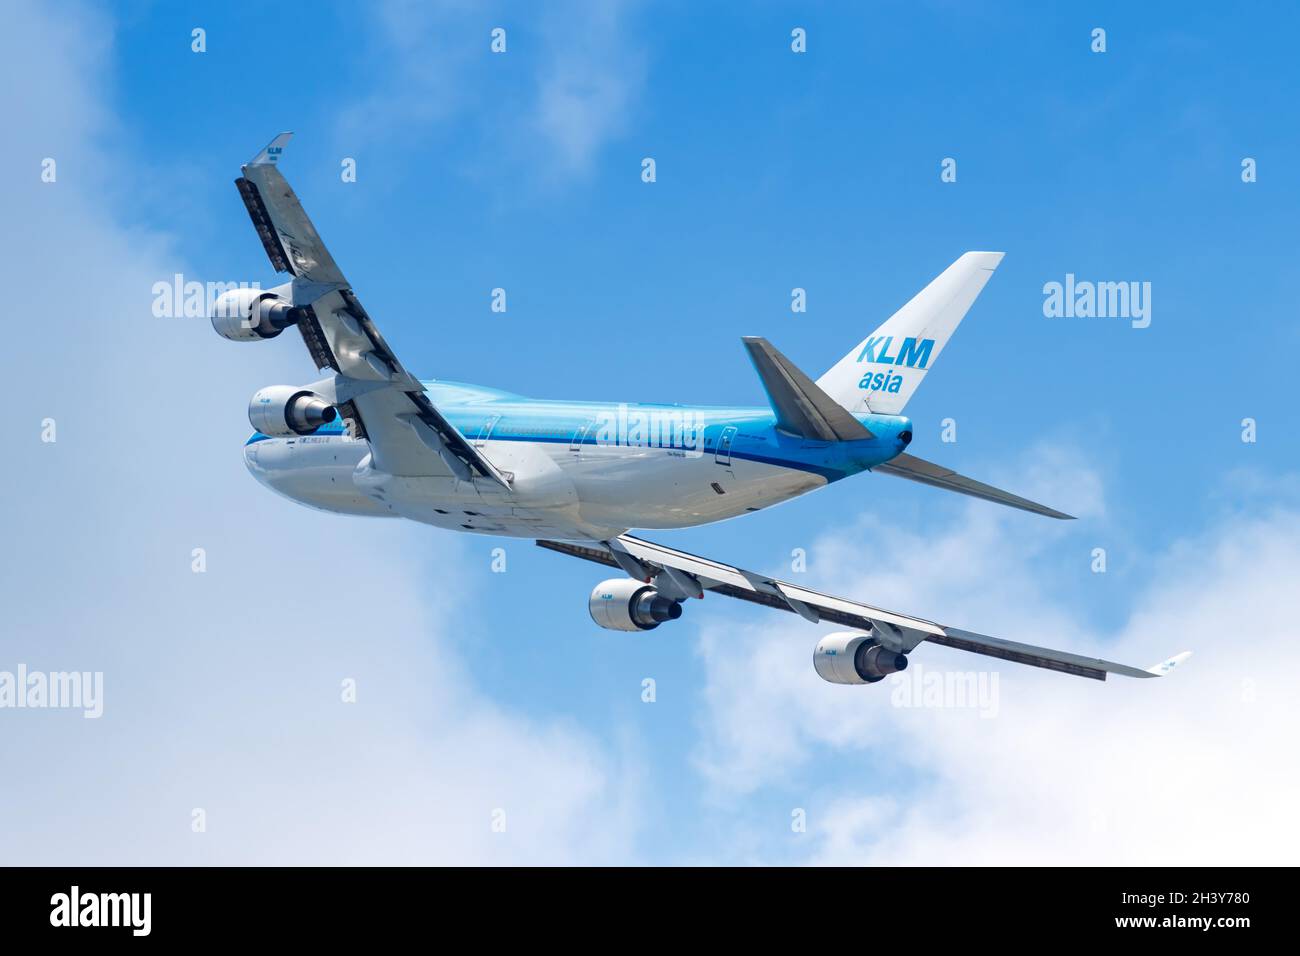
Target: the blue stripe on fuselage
(756, 438)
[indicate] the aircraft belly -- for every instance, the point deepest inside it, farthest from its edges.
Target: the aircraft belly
(653, 488)
(597, 494)
(334, 473)
(540, 502)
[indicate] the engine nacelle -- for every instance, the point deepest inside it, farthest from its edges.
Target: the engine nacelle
(622, 604)
(248, 315)
(285, 411)
(850, 657)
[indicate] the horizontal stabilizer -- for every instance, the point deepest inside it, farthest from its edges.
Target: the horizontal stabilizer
(801, 407)
(927, 473)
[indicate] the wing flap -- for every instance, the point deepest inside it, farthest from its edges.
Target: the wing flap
(303, 251)
(937, 476)
(1062, 661)
(897, 631)
(750, 585)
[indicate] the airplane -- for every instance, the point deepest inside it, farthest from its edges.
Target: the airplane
(369, 438)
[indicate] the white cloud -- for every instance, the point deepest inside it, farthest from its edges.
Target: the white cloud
(428, 56)
(222, 690)
(588, 81)
(1197, 767)
(561, 92)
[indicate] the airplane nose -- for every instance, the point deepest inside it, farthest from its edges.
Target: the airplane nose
(265, 459)
(251, 452)
(271, 462)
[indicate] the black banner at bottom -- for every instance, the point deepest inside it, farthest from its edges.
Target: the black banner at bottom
(90, 905)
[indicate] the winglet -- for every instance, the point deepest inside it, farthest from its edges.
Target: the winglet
(1164, 667)
(269, 155)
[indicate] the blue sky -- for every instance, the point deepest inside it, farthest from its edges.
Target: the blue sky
(774, 171)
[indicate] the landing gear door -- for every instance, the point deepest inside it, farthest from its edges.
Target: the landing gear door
(723, 454)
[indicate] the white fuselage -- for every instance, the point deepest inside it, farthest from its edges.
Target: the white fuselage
(570, 479)
(595, 494)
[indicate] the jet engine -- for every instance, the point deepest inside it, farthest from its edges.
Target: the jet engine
(852, 657)
(627, 605)
(249, 315)
(285, 411)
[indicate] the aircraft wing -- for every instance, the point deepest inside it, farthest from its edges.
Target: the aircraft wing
(686, 575)
(383, 402)
(937, 476)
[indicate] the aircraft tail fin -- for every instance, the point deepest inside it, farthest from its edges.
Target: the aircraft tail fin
(885, 369)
